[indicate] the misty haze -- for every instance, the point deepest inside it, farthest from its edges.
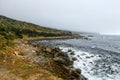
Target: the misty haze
(78, 15)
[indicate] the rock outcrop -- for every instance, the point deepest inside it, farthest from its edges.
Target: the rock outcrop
(59, 62)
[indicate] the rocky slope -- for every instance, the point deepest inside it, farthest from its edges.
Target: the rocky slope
(22, 60)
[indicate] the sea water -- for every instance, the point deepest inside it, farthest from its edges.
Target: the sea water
(98, 57)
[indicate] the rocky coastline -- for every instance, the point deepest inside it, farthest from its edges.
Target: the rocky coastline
(56, 61)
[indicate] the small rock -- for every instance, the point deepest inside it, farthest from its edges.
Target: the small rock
(91, 62)
(100, 56)
(87, 56)
(74, 58)
(78, 56)
(78, 71)
(69, 50)
(84, 64)
(72, 53)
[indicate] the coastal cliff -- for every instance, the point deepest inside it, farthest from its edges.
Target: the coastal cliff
(20, 59)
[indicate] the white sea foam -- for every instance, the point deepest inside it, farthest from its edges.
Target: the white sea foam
(85, 61)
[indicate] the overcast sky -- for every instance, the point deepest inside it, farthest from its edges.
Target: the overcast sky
(101, 16)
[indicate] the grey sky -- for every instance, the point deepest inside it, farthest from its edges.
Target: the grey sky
(79, 15)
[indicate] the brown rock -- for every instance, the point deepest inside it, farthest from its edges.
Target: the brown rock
(60, 60)
(78, 71)
(48, 50)
(75, 73)
(74, 58)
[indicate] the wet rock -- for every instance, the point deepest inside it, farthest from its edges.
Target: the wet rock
(88, 57)
(92, 56)
(76, 73)
(56, 49)
(84, 78)
(84, 64)
(100, 56)
(91, 62)
(74, 58)
(60, 61)
(69, 50)
(72, 53)
(78, 56)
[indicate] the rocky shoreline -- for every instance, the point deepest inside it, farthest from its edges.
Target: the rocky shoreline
(28, 60)
(55, 38)
(56, 61)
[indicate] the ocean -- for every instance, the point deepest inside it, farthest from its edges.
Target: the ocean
(98, 57)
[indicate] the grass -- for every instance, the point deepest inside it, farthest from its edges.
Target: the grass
(25, 69)
(11, 31)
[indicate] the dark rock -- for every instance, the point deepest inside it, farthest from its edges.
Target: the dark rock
(56, 49)
(74, 58)
(76, 73)
(88, 57)
(72, 53)
(78, 56)
(84, 64)
(91, 62)
(61, 54)
(84, 78)
(69, 50)
(66, 69)
(60, 60)
(100, 56)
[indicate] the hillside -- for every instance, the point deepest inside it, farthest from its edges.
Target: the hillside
(21, 29)
(22, 60)
(11, 29)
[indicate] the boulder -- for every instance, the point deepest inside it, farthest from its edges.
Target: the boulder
(74, 58)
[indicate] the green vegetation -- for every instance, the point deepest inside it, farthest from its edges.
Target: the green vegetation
(13, 29)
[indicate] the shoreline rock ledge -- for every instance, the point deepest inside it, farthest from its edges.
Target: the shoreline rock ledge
(57, 62)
